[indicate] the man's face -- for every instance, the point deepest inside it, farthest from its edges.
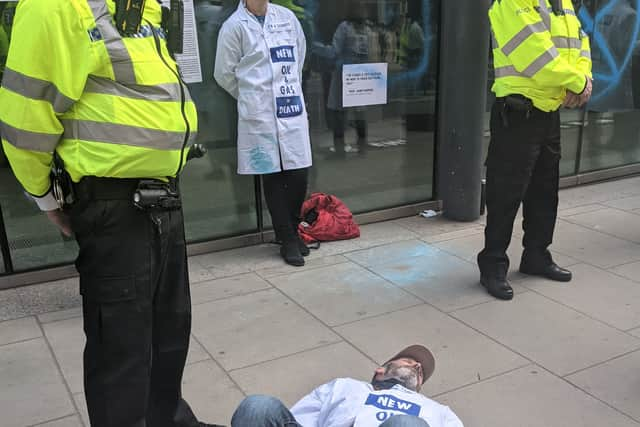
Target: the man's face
(407, 371)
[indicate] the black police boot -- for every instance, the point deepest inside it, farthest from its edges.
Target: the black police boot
(551, 271)
(497, 286)
(535, 264)
(290, 251)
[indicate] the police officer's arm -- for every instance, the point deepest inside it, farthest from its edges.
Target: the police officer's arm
(228, 56)
(584, 61)
(523, 37)
(46, 71)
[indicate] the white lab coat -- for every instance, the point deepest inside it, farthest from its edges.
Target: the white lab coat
(261, 66)
(346, 402)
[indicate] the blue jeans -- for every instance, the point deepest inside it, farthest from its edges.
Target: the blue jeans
(266, 411)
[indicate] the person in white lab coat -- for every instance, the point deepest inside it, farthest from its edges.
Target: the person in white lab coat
(391, 399)
(259, 60)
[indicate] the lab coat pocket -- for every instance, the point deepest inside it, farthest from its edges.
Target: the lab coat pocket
(253, 105)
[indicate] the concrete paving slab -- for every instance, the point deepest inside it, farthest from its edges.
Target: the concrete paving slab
(440, 279)
(210, 392)
(531, 397)
(241, 284)
(238, 261)
(197, 272)
(312, 262)
(597, 293)
(587, 195)
(453, 235)
(552, 335)
(67, 342)
(343, 293)
(11, 305)
(635, 332)
(451, 342)
(566, 213)
(593, 247)
(614, 222)
(616, 382)
(425, 227)
(255, 328)
(16, 330)
(73, 421)
(304, 372)
(81, 404)
(55, 316)
(32, 390)
(52, 296)
(630, 204)
(197, 353)
(383, 233)
(468, 247)
(630, 271)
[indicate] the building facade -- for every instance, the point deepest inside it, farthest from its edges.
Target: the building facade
(381, 160)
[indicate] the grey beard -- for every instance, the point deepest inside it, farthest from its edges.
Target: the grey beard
(408, 377)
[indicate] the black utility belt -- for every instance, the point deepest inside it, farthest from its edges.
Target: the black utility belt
(145, 194)
(516, 103)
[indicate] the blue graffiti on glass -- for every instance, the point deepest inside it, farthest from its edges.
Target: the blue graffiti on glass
(612, 78)
(423, 65)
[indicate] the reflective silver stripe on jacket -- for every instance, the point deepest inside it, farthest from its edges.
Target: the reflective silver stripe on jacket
(523, 35)
(545, 14)
(540, 62)
(169, 92)
(567, 43)
(569, 12)
(532, 69)
(112, 133)
(120, 58)
(26, 140)
(37, 89)
(585, 54)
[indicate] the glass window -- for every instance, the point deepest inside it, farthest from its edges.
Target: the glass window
(612, 132)
(34, 242)
(372, 156)
(217, 201)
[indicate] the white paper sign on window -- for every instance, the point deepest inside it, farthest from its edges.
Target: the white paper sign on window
(189, 59)
(364, 84)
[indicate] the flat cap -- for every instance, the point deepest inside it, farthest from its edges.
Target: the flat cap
(420, 354)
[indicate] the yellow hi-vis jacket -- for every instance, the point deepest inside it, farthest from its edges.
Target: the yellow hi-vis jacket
(110, 106)
(537, 53)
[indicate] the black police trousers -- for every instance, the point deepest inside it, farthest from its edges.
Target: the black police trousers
(522, 167)
(137, 313)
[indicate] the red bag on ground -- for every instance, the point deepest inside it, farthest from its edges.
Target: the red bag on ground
(326, 218)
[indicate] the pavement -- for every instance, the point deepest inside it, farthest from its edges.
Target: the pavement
(558, 355)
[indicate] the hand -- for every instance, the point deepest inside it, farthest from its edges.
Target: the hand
(571, 100)
(61, 220)
(586, 93)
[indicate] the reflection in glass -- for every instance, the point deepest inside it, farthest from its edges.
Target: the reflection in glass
(34, 242)
(217, 201)
(376, 156)
(612, 131)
